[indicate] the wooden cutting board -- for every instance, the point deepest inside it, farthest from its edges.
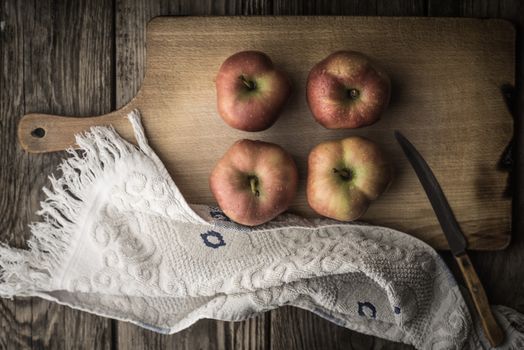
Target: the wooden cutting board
(446, 78)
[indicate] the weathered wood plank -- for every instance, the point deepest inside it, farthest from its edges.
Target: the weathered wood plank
(12, 224)
(498, 271)
(503, 283)
(444, 8)
(67, 69)
(335, 7)
(479, 8)
(249, 334)
(252, 334)
(131, 19)
(18, 171)
(299, 329)
(15, 320)
(401, 7)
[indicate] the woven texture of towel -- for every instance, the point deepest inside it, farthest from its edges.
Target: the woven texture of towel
(118, 239)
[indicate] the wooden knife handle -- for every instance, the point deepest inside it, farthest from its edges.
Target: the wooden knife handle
(41, 133)
(491, 328)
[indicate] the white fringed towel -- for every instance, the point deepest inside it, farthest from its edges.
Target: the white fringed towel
(118, 239)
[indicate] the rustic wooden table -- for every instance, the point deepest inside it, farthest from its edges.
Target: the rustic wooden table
(86, 58)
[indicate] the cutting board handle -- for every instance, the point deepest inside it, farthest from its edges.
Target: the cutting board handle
(41, 133)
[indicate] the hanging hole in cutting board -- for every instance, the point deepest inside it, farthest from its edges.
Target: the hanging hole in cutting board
(38, 133)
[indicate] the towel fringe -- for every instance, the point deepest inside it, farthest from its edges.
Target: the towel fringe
(63, 210)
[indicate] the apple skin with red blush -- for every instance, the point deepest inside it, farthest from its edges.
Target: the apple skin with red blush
(254, 182)
(347, 90)
(251, 91)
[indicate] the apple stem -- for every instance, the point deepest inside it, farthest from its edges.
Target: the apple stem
(253, 182)
(345, 174)
(353, 93)
(248, 83)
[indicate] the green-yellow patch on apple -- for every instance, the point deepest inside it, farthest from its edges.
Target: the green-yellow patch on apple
(344, 176)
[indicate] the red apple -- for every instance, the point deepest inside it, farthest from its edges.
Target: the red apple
(347, 90)
(344, 176)
(254, 182)
(250, 91)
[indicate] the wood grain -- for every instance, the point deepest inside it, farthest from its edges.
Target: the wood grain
(68, 44)
(46, 319)
(490, 326)
(503, 282)
(19, 197)
(450, 120)
(293, 328)
(15, 323)
(52, 61)
(131, 19)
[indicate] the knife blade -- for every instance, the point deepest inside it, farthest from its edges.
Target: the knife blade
(456, 240)
(448, 222)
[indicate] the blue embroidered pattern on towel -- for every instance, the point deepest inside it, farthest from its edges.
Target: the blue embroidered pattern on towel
(213, 239)
(127, 245)
(362, 306)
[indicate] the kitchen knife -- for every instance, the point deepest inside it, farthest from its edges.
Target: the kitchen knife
(456, 240)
